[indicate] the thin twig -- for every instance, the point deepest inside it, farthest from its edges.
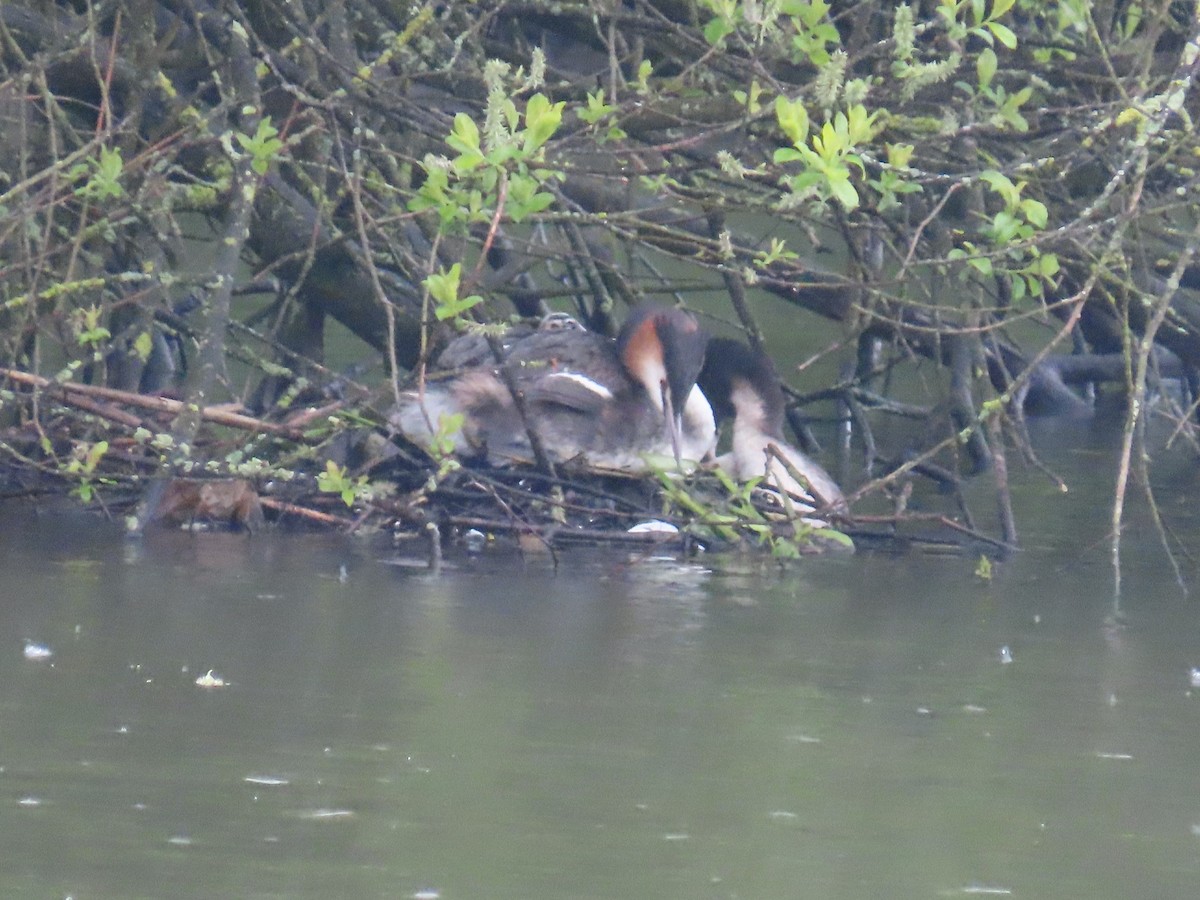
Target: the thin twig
(71, 392)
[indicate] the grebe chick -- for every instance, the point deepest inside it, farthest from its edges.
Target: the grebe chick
(743, 386)
(610, 404)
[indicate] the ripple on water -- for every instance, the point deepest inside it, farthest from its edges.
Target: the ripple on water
(325, 815)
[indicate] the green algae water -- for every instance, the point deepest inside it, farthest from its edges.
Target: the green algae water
(215, 715)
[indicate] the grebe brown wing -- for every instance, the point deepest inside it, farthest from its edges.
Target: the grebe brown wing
(572, 420)
(472, 349)
(547, 366)
(575, 417)
(584, 352)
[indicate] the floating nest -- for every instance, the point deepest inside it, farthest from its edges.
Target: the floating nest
(372, 483)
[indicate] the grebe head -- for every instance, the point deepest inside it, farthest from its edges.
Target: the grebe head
(559, 321)
(742, 385)
(662, 348)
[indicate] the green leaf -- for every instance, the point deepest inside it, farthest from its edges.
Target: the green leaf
(104, 183)
(645, 70)
(1002, 185)
(832, 534)
(1000, 7)
(899, 155)
(1035, 212)
(535, 204)
(443, 285)
(262, 146)
(805, 180)
(110, 164)
(981, 264)
(844, 191)
(1019, 98)
(142, 345)
(443, 288)
(1047, 265)
(452, 309)
(449, 426)
(95, 454)
(596, 108)
(860, 125)
(464, 135)
(542, 119)
(1003, 34)
(467, 161)
(717, 30)
(1004, 227)
(986, 66)
(792, 118)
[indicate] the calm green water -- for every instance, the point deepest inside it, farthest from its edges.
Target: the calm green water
(625, 727)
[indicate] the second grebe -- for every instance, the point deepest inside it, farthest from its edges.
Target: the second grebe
(743, 386)
(610, 404)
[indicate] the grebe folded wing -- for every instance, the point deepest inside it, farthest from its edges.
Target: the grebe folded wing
(571, 390)
(465, 381)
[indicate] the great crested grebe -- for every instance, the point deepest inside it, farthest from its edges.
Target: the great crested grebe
(743, 385)
(610, 404)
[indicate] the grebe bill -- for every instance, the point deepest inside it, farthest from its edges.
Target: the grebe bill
(663, 349)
